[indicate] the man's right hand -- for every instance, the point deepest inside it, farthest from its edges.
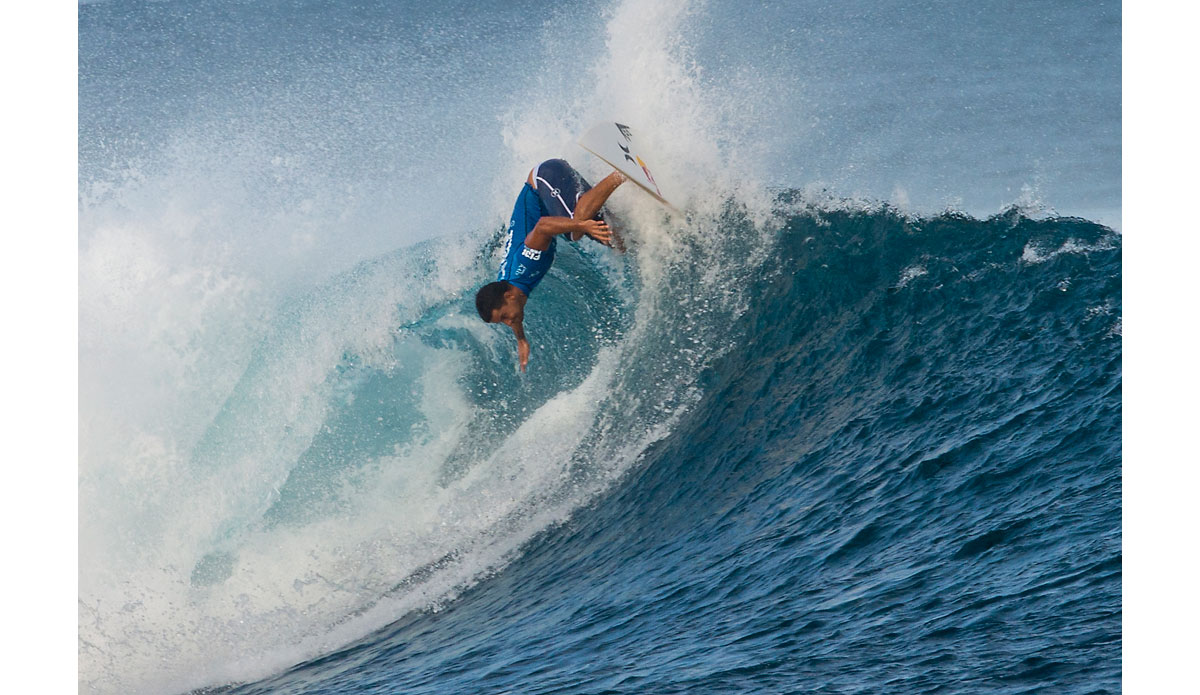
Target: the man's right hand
(523, 353)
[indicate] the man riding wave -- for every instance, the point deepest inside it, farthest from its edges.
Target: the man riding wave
(555, 200)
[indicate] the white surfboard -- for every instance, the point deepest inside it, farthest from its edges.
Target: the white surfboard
(614, 143)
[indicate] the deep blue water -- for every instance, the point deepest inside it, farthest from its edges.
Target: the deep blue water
(852, 423)
(902, 485)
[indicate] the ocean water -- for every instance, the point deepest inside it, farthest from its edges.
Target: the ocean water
(851, 423)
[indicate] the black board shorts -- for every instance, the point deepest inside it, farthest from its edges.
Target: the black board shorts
(558, 187)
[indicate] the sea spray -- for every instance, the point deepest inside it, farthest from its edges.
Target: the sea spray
(310, 453)
(294, 432)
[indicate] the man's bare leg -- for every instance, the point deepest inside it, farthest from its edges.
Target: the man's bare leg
(590, 203)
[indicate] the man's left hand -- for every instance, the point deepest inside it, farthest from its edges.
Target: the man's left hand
(598, 231)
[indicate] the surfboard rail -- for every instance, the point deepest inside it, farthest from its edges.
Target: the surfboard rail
(613, 142)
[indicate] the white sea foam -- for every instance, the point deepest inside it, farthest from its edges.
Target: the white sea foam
(216, 313)
(909, 274)
(1036, 252)
(226, 272)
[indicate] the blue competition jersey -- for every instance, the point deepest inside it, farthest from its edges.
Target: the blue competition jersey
(558, 190)
(524, 267)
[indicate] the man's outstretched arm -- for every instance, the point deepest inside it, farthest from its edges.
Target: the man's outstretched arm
(547, 227)
(518, 329)
(522, 344)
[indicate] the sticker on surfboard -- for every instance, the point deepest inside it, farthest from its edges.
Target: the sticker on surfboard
(614, 143)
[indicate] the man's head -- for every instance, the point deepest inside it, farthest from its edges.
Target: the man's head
(496, 302)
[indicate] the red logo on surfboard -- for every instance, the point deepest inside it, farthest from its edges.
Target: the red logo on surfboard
(648, 174)
(638, 161)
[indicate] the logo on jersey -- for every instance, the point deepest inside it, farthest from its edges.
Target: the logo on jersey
(508, 242)
(531, 254)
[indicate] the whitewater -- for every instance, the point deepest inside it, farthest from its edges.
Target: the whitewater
(850, 422)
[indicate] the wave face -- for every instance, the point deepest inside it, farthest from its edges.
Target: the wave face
(905, 470)
(791, 441)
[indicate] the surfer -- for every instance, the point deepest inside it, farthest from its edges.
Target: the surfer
(554, 201)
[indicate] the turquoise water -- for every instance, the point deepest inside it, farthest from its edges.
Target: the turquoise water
(852, 423)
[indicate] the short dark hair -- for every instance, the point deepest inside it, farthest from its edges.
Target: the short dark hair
(489, 298)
